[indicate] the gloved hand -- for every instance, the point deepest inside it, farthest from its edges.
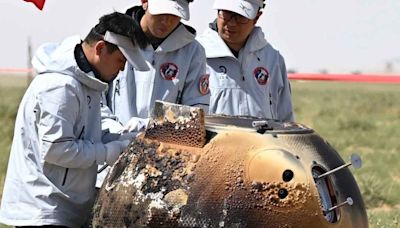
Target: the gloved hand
(136, 124)
(127, 136)
(114, 149)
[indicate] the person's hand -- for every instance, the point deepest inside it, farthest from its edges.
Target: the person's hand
(114, 149)
(136, 124)
(127, 136)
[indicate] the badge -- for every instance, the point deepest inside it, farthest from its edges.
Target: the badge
(169, 71)
(222, 69)
(89, 100)
(262, 75)
(203, 84)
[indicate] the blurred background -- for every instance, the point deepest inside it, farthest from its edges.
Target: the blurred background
(342, 36)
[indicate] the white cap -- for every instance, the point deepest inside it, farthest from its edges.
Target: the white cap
(179, 8)
(246, 8)
(130, 51)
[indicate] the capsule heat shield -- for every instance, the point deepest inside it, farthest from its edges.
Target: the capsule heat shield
(241, 177)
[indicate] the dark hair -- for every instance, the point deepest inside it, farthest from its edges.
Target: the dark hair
(120, 24)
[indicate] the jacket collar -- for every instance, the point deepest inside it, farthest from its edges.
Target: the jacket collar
(60, 58)
(83, 62)
(216, 47)
(180, 37)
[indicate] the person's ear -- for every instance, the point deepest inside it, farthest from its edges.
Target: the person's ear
(100, 46)
(257, 17)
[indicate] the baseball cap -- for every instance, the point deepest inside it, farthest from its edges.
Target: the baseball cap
(179, 8)
(246, 8)
(131, 52)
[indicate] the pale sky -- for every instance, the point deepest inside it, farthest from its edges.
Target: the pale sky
(340, 36)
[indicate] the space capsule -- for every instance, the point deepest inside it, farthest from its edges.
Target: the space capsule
(192, 170)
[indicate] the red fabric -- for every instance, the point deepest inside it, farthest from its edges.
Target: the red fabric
(347, 77)
(38, 3)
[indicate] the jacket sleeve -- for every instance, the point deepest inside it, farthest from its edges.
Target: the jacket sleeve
(284, 109)
(110, 125)
(193, 93)
(59, 112)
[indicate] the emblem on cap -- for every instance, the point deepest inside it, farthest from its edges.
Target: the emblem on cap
(180, 9)
(261, 74)
(169, 71)
(203, 84)
(245, 9)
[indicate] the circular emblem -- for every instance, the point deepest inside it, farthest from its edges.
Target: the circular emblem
(262, 75)
(169, 71)
(222, 69)
(203, 84)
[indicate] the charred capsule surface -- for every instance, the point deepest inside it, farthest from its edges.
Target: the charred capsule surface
(239, 178)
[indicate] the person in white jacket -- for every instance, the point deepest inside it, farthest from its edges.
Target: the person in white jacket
(177, 72)
(57, 143)
(247, 75)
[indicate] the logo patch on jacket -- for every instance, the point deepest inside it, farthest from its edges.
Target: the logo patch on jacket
(261, 74)
(169, 71)
(89, 100)
(203, 84)
(222, 69)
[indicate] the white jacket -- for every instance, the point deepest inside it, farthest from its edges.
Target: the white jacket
(254, 84)
(177, 71)
(177, 74)
(52, 168)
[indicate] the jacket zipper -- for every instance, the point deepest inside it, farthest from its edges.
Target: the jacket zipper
(117, 87)
(271, 106)
(179, 98)
(115, 93)
(241, 71)
(65, 176)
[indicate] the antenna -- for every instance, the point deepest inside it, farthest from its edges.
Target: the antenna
(355, 160)
(30, 73)
(348, 201)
